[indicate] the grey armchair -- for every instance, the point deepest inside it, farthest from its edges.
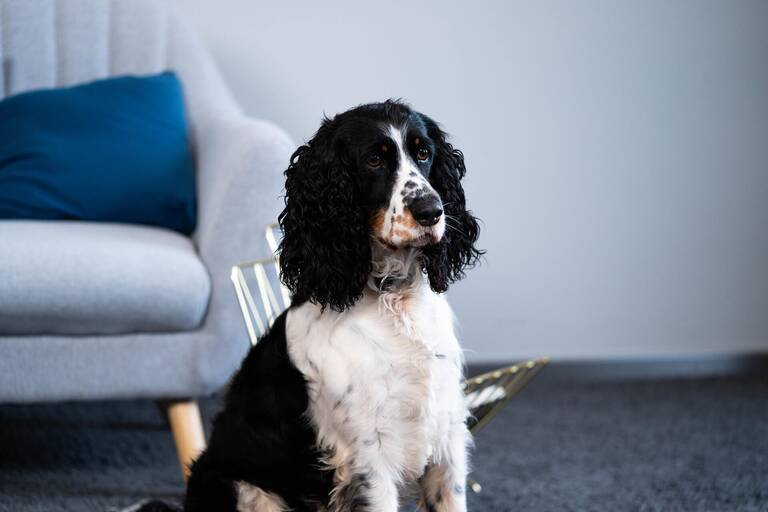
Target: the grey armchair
(109, 311)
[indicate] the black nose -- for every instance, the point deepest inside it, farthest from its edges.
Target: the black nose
(426, 210)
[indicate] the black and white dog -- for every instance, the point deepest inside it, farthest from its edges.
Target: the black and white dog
(353, 399)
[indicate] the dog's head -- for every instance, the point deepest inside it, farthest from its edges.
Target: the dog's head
(378, 173)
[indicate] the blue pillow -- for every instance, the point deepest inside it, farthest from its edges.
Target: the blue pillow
(114, 150)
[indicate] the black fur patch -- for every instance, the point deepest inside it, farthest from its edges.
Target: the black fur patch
(262, 437)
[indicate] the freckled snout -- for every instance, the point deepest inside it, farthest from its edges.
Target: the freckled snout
(426, 210)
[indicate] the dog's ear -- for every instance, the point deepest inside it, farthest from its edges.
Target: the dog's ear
(445, 262)
(325, 254)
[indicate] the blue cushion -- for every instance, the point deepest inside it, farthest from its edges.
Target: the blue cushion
(114, 150)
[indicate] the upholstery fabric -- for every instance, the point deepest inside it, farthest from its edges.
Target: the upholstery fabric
(53, 43)
(72, 277)
(248, 155)
(112, 150)
(239, 165)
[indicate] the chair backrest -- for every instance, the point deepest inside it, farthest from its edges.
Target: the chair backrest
(49, 43)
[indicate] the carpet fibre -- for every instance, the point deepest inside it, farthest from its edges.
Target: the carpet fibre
(561, 445)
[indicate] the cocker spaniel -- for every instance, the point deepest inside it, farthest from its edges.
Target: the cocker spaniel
(353, 399)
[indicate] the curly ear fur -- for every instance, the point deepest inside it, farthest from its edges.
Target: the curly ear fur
(445, 262)
(325, 254)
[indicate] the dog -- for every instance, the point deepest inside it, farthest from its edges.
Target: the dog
(353, 399)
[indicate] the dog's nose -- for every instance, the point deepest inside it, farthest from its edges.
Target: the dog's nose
(426, 210)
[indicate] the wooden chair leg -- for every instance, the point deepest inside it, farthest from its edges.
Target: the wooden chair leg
(187, 428)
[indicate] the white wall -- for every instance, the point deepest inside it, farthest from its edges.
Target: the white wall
(617, 152)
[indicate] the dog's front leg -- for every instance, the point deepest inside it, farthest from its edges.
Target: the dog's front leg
(443, 486)
(366, 491)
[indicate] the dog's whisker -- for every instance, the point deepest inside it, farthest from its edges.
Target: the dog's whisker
(454, 228)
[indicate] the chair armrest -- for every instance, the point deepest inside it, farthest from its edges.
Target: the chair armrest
(240, 164)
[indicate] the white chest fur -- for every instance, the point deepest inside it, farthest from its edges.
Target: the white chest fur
(384, 381)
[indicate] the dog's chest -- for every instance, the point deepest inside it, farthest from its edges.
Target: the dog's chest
(383, 378)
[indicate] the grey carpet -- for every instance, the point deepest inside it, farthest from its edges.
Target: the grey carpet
(562, 445)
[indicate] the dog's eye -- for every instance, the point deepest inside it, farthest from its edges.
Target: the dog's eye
(422, 154)
(374, 161)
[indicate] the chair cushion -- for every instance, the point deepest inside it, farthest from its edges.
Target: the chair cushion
(69, 277)
(113, 150)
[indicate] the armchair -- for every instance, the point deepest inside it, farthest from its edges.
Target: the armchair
(108, 311)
